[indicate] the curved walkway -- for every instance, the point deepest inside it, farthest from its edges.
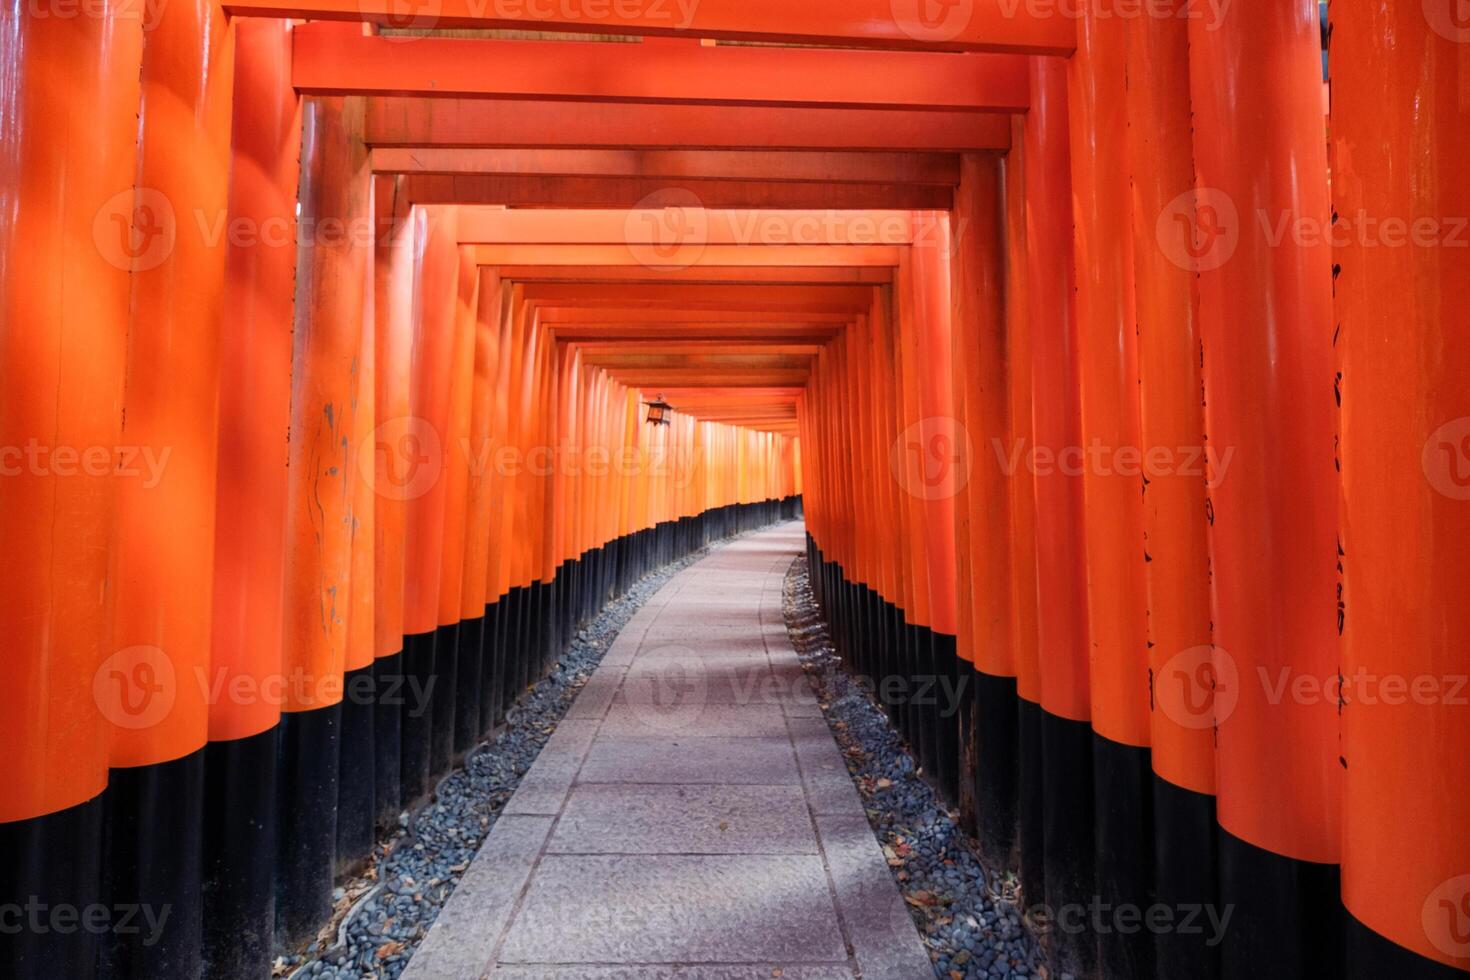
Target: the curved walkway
(691, 819)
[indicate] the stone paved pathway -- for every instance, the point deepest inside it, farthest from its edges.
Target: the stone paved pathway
(690, 819)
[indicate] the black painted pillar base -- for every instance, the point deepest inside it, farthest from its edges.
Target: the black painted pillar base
(1286, 915)
(391, 692)
(1185, 858)
(446, 684)
(1373, 957)
(997, 754)
(1031, 804)
(946, 692)
(1068, 823)
(468, 689)
(357, 797)
(1123, 835)
(153, 850)
(307, 843)
(490, 668)
(416, 709)
(240, 822)
(516, 670)
(52, 860)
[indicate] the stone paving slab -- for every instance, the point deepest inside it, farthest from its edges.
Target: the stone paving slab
(695, 720)
(648, 971)
(614, 819)
(676, 909)
(883, 935)
(544, 789)
(461, 943)
(738, 648)
(690, 819)
(829, 787)
(687, 759)
(596, 695)
(753, 683)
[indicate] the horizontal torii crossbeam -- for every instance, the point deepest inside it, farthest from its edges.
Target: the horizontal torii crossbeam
(328, 61)
(419, 121)
(960, 25)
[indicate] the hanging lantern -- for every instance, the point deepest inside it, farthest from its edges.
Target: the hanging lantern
(658, 411)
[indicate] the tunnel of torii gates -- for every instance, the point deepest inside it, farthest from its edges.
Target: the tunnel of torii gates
(328, 347)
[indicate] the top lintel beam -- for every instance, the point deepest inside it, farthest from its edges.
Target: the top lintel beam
(1008, 26)
(333, 62)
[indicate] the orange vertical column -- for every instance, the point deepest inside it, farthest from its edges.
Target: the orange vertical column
(519, 509)
(1112, 481)
(250, 516)
(331, 285)
(542, 522)
(1010, 455)
(357, 737)
(434, 295)
(1401, 132)
(917, 657)
(460, 315)
(474, 722)
(1056, 460)
(67, 246)
(1174, 491)
(163, 554)
(507, 469)
(845, 584)
(983, 364)
(395, 465)
(947, 681)
(871, 474)
(1266, 321)
(892, 499)
(575, 392)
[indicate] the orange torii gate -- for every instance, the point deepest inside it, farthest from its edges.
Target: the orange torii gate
(1039, 229)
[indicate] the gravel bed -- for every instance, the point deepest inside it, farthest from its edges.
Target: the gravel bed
(972, 928)
(383, 915)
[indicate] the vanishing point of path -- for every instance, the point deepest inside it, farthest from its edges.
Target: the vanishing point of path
(690, 819)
